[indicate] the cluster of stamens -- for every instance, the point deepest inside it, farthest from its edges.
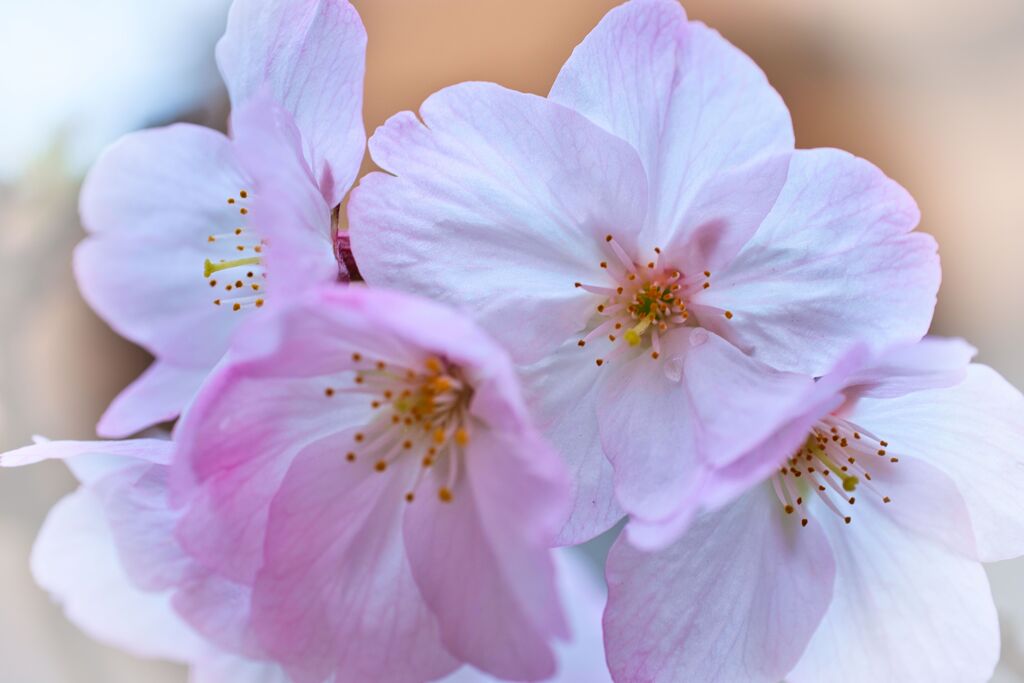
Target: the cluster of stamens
(641, 304)
(236, 267)
(418, 413)
(833, 463)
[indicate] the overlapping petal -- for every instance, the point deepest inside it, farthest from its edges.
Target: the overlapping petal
(310, 56)
(971, 431)
(738, 597)
(905, 608)
(834, 263)
(665, 432)
(694, 107)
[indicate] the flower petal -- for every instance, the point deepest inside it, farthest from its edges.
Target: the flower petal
(583, 596)
(905, 608)
(664, 434)
(689, 102)
(833, 260)
(563, 393)
(223, 667)
(142, 269)
(735, 599)
(158, 395)
(287, 210)
(311, 54)
(76, 561)
(973, 432)
(91, 461)
(334, 550)
(485, 553)
(500, 204)
(932, 363)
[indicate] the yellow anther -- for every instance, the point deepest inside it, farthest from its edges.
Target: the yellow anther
(445, 495)
(439, 436)
(461, 436)
(433, 364)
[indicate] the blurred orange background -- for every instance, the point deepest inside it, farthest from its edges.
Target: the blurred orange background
(933, 92)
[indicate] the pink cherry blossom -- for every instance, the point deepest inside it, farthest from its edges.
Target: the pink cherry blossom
(667, 269)
(184, 222)
(858, 557)
(363, 462)
(91, 553)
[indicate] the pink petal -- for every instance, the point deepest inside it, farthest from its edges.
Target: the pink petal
(91, 461)
(972, 432)
(76, 561)
(691, 104)
(485, 553)
(287, 210)
(498, 201)
(664, 434)
(227, 668)
(932, 363)
(563, 392)
(311, 55)
(142, 270)
(335, 594)
(833, 264)
(905, 608)
(583, 596)
(735, 599)
(158, 395)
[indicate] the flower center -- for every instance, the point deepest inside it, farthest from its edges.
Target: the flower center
(640, 303)
(833, 463)
(235, 259)
(418, 413)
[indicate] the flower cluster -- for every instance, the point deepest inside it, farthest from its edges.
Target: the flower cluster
(632, 299)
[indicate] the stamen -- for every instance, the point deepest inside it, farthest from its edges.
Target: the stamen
(209, 267)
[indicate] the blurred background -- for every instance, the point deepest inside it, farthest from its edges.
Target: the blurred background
(931, 91)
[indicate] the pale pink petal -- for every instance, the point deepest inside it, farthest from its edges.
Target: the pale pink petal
(76, 561)
(905, 608)
(222, 667)
(158, 395)
(724, 215)
(723, 484)
(143, 268)
(91, 461)
(665, 431)
(311, 56)
(485, 553)
(735, 599)
(973, 432)
(335, 594)
(833, 264)
(931, 363)
(691, 104)
(583, 596)
(499, 202)
(136, 502)
(257, 411)
(563, 391)
(286, 210)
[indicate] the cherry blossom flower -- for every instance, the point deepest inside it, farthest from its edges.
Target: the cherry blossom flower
(95, 555)
(858, 558)
(181, 219)
(668, 271)
(364, 462)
